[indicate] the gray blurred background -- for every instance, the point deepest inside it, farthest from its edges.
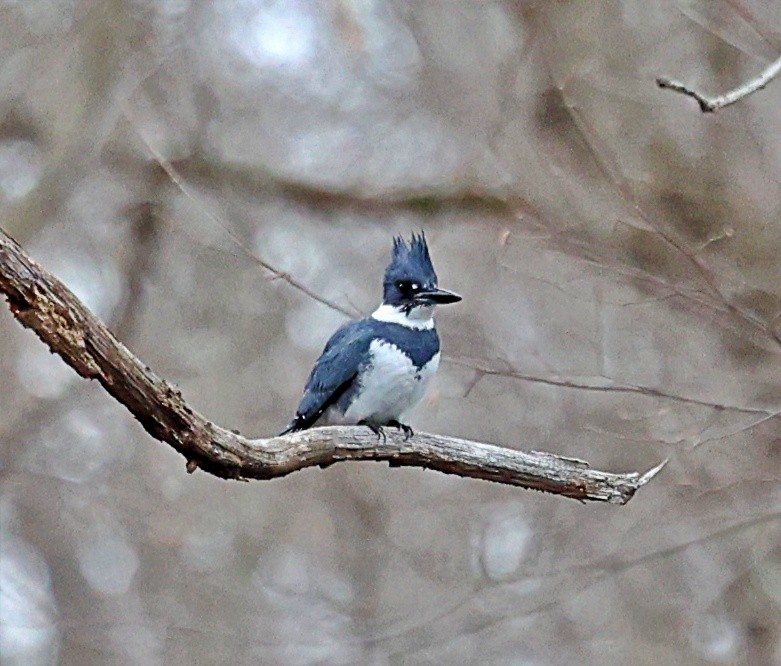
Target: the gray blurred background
(618, 253)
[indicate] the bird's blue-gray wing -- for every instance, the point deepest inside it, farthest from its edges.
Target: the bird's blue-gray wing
(333, 374)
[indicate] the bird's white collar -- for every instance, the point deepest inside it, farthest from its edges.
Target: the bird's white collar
(419, 318)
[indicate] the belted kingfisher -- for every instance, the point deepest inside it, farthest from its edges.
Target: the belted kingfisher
(373, 370)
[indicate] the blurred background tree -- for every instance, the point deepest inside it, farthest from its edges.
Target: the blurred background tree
(618, 254)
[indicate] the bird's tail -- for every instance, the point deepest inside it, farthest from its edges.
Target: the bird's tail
(294, 426)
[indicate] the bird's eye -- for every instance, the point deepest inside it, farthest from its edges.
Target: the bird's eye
(407, 286)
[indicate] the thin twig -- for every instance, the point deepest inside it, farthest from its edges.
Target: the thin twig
(42, 303)
(710, 104)
(278, 274)
(713, 298)
(601, 385)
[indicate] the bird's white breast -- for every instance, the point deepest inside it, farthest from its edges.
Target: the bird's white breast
(390, 386)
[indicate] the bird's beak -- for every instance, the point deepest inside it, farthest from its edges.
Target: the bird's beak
(436, 297)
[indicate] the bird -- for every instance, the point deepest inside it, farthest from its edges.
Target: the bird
(374, 370)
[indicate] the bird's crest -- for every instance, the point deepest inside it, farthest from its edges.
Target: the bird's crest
(411, 262)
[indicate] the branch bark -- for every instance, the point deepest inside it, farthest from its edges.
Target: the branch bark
(710, 104)
(44, 304)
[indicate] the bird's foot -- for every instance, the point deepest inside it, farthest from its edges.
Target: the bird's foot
(403, 427)
(376, 429)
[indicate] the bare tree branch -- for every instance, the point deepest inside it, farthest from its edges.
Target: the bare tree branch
(710, 104)
(42, 303)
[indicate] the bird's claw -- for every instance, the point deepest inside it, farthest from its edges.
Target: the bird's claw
(376, 429)
(408, 432)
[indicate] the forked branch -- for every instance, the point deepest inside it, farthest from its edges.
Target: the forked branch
(710, 104)
(44, 304)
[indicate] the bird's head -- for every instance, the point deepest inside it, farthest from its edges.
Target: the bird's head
(410, 284)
